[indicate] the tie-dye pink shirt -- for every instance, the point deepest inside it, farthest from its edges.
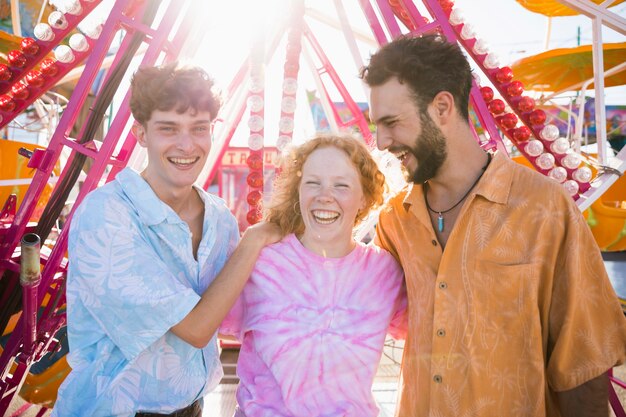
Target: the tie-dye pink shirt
(312, 330)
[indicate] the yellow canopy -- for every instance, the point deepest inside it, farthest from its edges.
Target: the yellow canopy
(558, 69)
(552, 8)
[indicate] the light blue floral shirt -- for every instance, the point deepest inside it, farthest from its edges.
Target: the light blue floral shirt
(132, 276)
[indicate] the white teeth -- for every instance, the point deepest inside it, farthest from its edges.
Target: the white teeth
(183, 161)
(325, 216)
(401, 155)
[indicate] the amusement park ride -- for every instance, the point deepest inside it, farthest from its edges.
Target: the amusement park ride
(32, 302)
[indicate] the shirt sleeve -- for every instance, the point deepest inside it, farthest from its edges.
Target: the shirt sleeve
(124, 284)
(587, 328)
(233, 322)
(399, 325)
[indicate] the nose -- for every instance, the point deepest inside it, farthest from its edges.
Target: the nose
(383, 139)
(325, 195)
(184, 141)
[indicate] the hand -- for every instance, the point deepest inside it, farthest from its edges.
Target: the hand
(262, 233)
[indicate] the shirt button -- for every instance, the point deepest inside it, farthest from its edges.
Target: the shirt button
(443, 285)
(434, 242)
(441, 332)
(438, 379)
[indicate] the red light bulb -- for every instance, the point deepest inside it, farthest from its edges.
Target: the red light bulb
(446, 5)
(255, 180)
(509, 120)
(254, 197)
(254, 216)
(16, 58)
(537, 117)
(516, 88)
(255, 161)
(19, 91)
(504, 74)
(34, 79)
(6, 104)
(526, 104)
(5, 73)
(496, 106)
(49, 67)
(521, 134)
(29, 46)
(487, 93)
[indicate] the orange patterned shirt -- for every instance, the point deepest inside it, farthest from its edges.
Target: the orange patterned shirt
(517, 307)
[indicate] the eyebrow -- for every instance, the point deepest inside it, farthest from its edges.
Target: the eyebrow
(173, 123)
(384, 119)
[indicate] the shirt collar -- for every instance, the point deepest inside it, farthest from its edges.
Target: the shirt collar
(494, 185)
(149, 207)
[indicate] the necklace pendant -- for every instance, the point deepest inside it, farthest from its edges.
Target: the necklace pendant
(440, 223)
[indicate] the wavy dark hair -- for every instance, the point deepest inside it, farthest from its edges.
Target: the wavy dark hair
(428, 65)
(170, 87)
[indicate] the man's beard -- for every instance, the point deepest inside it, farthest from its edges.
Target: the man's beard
(429, 151)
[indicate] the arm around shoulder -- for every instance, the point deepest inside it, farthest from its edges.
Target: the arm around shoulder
(199, 326)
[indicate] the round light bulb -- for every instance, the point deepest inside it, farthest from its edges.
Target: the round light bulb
(571, 186)
(285, 125)
(481, 47)
(255, 123)
(288, 104)
(290, 86)
(78, 42)
(558, 174)
(256, 84)
(468, 31)
(63, 53)
(282, 142)
(57, 20)
(545, 161)
(255, 142)
(582, 174)
(71, 7)
(43, 32)
(571, 161)
(550, 132)
(534, 147)
(456, 16)
(256, 103)
(560, 146)
(491, 61)
(91, 30)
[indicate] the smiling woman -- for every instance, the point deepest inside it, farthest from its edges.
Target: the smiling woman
(318, 294)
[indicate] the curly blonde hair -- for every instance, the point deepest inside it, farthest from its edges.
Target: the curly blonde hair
(284, 210)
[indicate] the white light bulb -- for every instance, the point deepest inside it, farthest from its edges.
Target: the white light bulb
(534, 147)
(43, 32)
(550, 132)
(571, 186)
(255, 123)
(282, 142)
(545, 161)
(256, 84)
(481, 47)
(285, 125)
(468, 31)
(571, 161)
(456, 16)
(288, 104)
(255, 142)
(290, 86)
(558, 174)
(57, 20)
(582, 174)
(256, 103)
(560, 146)
(64, 54)
(491, 61)
(78, 42)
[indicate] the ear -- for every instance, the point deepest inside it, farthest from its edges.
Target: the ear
(442, 107)
(140, 133)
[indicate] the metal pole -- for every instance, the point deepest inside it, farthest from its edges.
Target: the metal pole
(30, 277)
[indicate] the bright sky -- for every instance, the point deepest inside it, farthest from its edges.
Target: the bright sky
(511, 31)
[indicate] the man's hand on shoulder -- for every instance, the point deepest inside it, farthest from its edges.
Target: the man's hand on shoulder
(261, 234)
